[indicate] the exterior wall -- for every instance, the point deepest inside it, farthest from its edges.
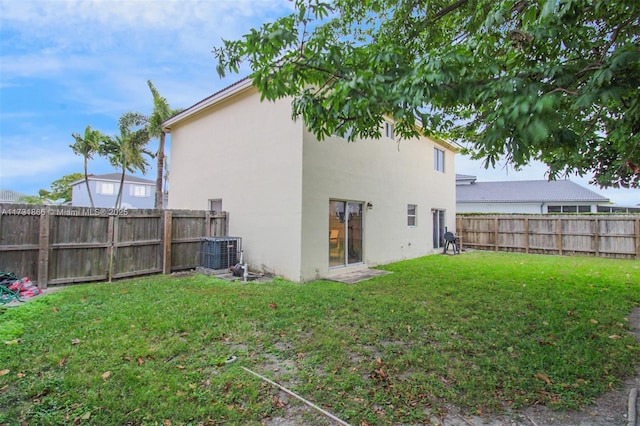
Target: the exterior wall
(249, 154)
(515, 208)
(385, 173)
(80, 197)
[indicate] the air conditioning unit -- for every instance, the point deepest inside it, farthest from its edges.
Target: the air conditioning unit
(220, 252)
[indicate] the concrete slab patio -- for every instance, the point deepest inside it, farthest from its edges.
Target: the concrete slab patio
(352, 277)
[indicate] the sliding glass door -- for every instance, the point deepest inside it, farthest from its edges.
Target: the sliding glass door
(345, 233)
(438, 228)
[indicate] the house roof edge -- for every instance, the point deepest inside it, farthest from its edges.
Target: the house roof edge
(205, 103)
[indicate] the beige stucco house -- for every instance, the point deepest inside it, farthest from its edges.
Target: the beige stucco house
(307, 209)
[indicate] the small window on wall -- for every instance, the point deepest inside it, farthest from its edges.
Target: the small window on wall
(388, 130)
(412, 211)
(569, 209)
(215, 205)
(438, 160)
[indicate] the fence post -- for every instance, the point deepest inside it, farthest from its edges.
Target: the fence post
(113, 246)
(207, 224)
(43, 251)
(166, 258)
(459, 231)
(109, 251)
(637, 238)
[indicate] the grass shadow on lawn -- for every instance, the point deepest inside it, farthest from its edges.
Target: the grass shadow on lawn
(488, 331)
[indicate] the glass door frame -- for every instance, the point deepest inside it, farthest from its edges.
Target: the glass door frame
(344, 251)
(439, 227)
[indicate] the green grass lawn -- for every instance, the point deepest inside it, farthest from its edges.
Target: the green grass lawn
(484, 331)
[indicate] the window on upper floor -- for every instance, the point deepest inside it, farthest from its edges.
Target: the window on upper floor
(388, 129)
(438, 160)
(140, 191)
(105, 188)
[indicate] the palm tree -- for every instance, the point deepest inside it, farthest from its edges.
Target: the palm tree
(127, 150)
(161, 112)
(87, 146)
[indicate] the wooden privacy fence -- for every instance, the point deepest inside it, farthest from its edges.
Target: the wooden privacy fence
(59, 245)
(594, 235)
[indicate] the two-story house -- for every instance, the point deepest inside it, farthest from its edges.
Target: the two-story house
(137, 193)
(309, 209)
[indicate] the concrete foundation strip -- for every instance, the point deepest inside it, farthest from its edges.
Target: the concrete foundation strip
(309, 403)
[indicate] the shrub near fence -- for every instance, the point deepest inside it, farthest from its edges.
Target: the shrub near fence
(614, 236)
(60, 245)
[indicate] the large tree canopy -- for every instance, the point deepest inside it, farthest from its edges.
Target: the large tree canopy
(552, 80)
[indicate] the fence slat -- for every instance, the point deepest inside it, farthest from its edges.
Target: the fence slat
(109, 252)
(43, 252)
(526, 231)
(638, 238)
(559, 236)
(168, 232)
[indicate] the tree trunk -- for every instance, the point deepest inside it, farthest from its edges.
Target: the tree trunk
(159, 176)
(119, 197)
(86, 181)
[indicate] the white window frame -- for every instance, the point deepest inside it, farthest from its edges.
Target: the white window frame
(412, 218)
(438, 159)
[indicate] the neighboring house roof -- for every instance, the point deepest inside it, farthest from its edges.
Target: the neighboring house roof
(526, 191)
(115, 177)
(10, 196)
(465, 179)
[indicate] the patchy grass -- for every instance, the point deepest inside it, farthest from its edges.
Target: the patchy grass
(484, 331)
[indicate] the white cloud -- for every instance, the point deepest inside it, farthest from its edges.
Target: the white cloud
(135, 13)
(22, 158)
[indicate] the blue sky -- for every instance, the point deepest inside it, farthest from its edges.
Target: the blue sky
(68, 64)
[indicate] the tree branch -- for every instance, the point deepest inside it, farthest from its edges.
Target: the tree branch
(450, 9)
(563, 90)
(614, 36)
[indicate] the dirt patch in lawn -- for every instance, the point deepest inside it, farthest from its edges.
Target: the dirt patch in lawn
(610, 409)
